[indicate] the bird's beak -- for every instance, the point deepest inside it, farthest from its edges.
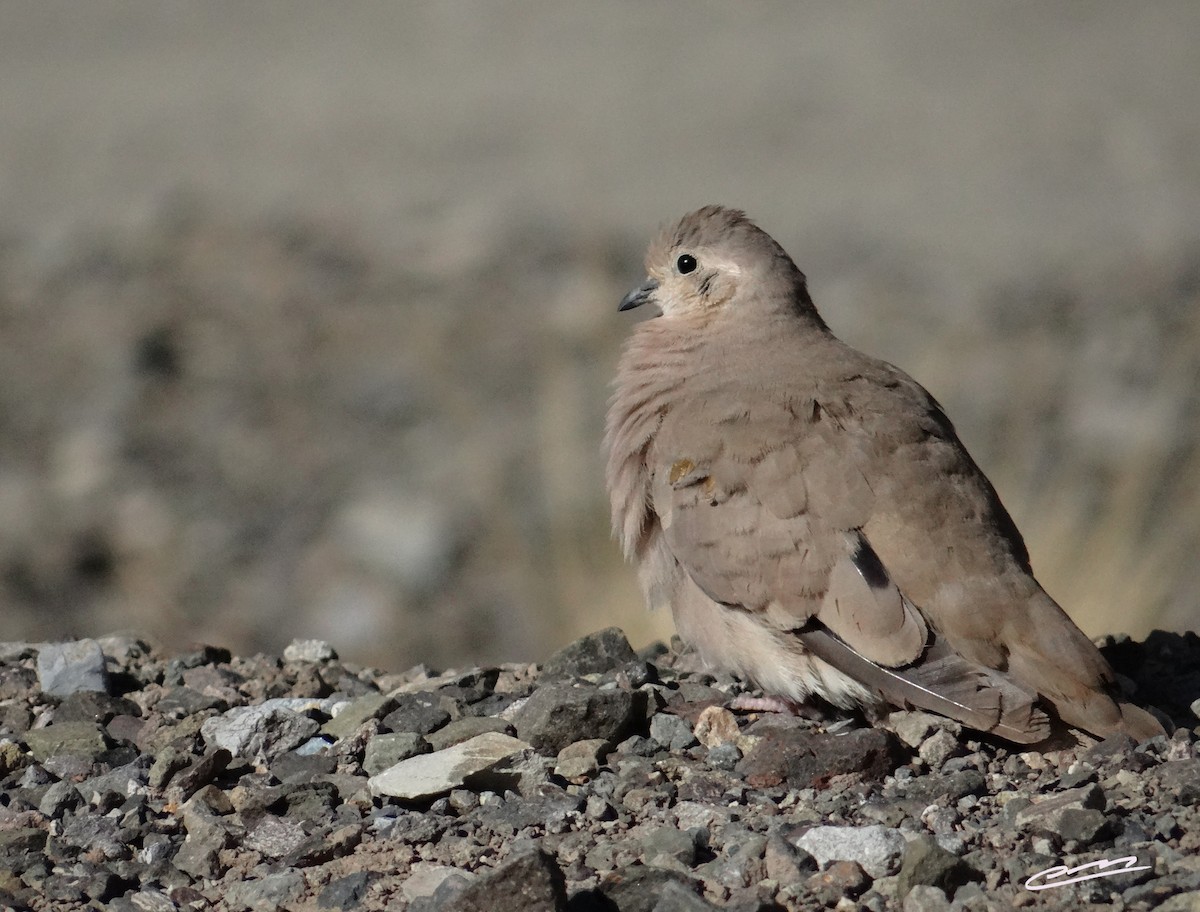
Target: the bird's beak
(639, 296)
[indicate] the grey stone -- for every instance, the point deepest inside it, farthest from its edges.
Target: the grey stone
(346, 892)
(878, 849)
(259, 733)
(528, 881)
(1182, 902)
(939, 747)
(350, 716)
(429, 775)
(724, 756)
(59, 798)
(595, 653)
(1082, 825)
(559, 714)
(384, 751)
(309, 651)
(581, 759)
(913, 727)
(671, 732)
(785, 863)
(421, 713)
(639, 888)
(269, 893)
(668, 843)
(275, 836)
(1046, 814)
(926, 863)
(76, 738)
(925, 898)
(465, 729)
(65, 668)
(676, 897)
(740, 863)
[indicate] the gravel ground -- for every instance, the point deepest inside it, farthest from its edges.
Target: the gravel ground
(307, 311)
(604, 779)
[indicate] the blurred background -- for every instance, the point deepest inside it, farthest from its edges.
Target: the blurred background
(308, 311)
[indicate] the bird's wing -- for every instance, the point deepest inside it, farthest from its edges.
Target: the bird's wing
(768, 517)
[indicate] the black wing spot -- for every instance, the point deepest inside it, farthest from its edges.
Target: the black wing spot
(869, 565)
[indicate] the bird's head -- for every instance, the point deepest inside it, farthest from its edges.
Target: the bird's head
(711, 259)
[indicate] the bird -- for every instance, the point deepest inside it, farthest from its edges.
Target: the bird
(810, 518)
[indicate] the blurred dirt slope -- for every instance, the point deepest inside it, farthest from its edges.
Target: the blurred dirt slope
(307, 311)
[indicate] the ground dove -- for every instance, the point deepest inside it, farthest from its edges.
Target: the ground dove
(810, 517)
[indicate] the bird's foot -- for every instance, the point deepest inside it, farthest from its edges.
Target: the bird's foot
(773, 704)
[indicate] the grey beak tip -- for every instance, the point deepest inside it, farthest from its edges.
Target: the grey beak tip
(638, 296)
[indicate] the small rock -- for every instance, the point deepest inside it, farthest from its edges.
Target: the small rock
(421, 713)
(529, 881)
(939, 747)
(1081, 825)
(309, 651)
(676, 897)
(637, 888)
(842, 878)
(429, 775)
(580, 760)
(806, 759)
(269, 893)
(1046, 814)
(878, 849)
(465, 729)
(926, 863)
(65, 668)
(595, 653)
(345, 892)
(671, 732)
(84, 739)
(716, 725)
(559, 714)
(385, 751)
(258, 733)
(785, 863)
(666, 845)
(426, 878)
(913, 727)
(352, 715)
(925, 898)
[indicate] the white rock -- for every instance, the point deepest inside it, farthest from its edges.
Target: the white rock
(433, 774)
(66, 668)
(876, 848)
(308, 651)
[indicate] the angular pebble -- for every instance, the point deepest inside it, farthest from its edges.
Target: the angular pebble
(529, 881)
(66, 668)
(259, 733)
(429, 775)
(804, 759)
(877, 849)
(560, 714)
(595, 653)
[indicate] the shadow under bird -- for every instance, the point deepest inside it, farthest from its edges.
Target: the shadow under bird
(810, 517)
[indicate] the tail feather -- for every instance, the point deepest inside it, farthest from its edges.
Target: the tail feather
(943, 682)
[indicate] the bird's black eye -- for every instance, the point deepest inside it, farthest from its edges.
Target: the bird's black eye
(685, 264)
